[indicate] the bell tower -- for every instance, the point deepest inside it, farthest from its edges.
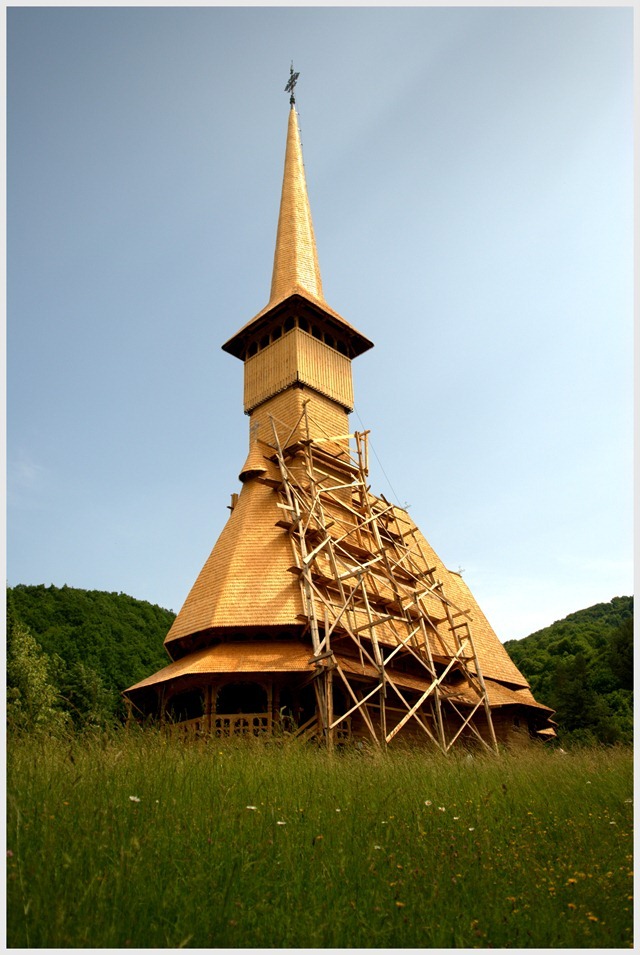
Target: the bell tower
(297, 351)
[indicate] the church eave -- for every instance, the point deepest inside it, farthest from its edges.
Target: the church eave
(306, 386)
(238, 343)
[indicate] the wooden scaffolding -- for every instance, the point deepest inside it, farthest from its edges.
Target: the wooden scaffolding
(369, 595)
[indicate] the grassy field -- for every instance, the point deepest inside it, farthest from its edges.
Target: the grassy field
(128, 840)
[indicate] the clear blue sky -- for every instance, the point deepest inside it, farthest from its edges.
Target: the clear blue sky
(470, 178)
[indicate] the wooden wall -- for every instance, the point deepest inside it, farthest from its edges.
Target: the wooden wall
(297, 357)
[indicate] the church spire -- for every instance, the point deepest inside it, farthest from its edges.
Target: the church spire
(295, 263)
(296, 272)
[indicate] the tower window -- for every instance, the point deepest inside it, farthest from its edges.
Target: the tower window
(330, 341)
(264, 341)
(276, 333)
(342, 348)
(252, 349)
(289, 323)
(315, 331)
(303, 324)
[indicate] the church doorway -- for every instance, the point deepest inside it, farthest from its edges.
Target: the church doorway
(242, 698)
(188, 705)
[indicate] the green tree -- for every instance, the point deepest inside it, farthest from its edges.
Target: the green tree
(85, 697)
(621, 654)
(33, 701)
(571, 696)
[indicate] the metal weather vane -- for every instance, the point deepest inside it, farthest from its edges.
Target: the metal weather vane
(291, 85)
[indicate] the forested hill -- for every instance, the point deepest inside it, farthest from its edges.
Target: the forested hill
(582, 666)
(92, 644)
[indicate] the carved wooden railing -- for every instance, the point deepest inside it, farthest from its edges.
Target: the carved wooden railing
(248, 724)
(241, 724)
(189, 729)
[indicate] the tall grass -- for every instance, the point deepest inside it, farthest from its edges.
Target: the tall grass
(131, 840)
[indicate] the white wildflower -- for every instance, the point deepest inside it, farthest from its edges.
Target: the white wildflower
(134, 798)
(280, 822)
(252, 807)
(427, 802)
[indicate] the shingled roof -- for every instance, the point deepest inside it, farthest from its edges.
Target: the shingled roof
(245, 581)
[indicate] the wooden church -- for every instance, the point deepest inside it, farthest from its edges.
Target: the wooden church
(322, 611)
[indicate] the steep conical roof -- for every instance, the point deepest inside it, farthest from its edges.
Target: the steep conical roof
(296, 271)
(295, 263)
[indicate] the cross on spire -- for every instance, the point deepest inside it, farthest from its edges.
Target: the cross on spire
(291, 85)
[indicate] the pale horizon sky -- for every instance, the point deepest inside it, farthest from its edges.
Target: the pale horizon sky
(470, 174)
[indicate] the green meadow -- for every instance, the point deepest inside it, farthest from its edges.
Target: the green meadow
(129, 839)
